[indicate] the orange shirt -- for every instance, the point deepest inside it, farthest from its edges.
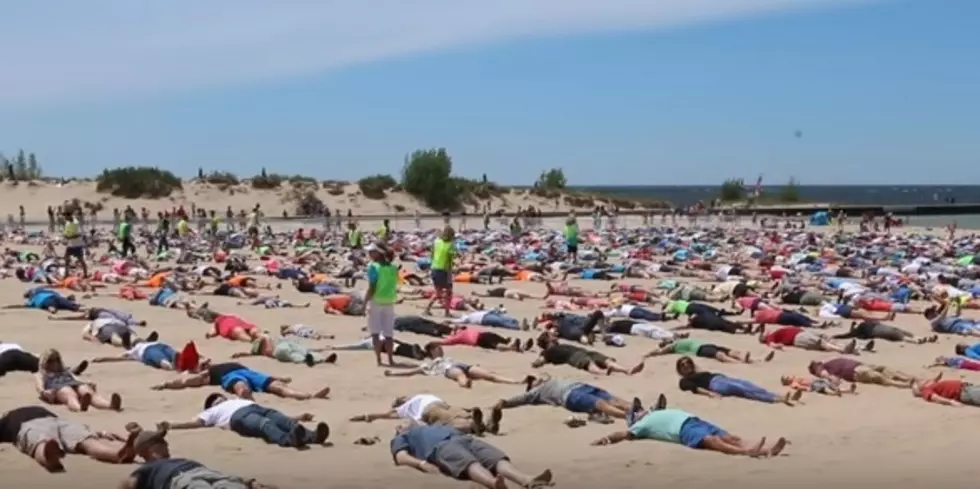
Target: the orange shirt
(338, 302)
(524, 275)
(463, 277)
(237, 281)
(157, 280)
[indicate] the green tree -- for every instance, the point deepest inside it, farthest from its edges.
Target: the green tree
(20, 166)
(135, 182)
(33, 168)
(553, 179)
(791, 191)
(732, 190)
(427, 175)
(4, 164)
(375, 186)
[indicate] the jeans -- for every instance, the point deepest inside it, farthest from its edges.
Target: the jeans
(644, 314)
(495, 320)
(728, 386)
(255, 421)
(793, 318)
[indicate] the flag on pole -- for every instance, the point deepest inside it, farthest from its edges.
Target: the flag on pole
(757, 191)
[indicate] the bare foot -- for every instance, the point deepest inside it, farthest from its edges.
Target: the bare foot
(778, 447)
(637, 369)
(500, 482)
(322, 393)
(759, 450)
(49, 455)
(85, 401)
(542, 480)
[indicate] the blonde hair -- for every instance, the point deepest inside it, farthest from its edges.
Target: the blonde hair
(50, 354)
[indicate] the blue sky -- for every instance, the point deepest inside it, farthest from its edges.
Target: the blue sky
(614, 92)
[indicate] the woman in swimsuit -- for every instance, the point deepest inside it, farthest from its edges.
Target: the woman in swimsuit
(55, 384)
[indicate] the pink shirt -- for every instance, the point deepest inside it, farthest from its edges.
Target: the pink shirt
(767, 315)
(463, 336)
(225, 324)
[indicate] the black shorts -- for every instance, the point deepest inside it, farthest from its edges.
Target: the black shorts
(490, 340)
(75, 252)
(441, 279)
(711, 351)
(222, 289)
(572, 248)
(497, 292)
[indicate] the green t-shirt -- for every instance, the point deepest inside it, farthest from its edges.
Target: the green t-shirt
(125, 229)
(687, 346)
(442, 255)
(571, 234)
(662, 425)
(384, 277)
(677, 307)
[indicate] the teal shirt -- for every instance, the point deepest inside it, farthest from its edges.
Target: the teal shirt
(662, 425)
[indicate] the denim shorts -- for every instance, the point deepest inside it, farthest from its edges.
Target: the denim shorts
(583, 399)
(154, 355)
(441, 279)
(256, 381)
(695, 430)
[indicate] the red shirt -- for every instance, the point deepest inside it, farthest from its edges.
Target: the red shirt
(783, 336)
(950, 389)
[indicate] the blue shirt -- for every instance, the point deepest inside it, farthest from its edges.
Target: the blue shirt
(372, 275)
(420, 441)
(161, 295)
(972, 351)
(40, 299)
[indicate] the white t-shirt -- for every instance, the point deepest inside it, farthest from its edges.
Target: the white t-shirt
(220, 415)
(415, 407)
(5, 347)
(472, 318)
(623, 311)
(95, 326)
(136, 353)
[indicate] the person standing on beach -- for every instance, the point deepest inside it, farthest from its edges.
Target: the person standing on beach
(74, 242)
(381, 296)
(125, 230)
(571, 238)
(443, 252)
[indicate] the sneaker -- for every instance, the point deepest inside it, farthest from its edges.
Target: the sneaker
(496, 415)
(321, 433)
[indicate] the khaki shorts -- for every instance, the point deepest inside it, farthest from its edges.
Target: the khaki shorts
(68, 434)
(808, 340)
(873, 374)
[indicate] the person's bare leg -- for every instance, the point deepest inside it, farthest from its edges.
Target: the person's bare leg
(283, 390)
(826, 345)
(606, 407)
(507, 469)
(108, 452)
(239, 334)
(480, 373)
(478, 474)
(615, 367)
(74, 401)
(719, 444)
(114, 402)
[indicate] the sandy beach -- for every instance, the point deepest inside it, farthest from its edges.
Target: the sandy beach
(882, 437)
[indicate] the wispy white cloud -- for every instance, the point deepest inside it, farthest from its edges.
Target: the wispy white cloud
(66, 51)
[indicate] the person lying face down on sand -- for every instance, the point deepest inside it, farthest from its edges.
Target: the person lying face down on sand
(422, 326)
(505, 293)
(47, 438)
(45, 299)
(556, 353)
(169, 297)
(848, 370)
(287, 351)
(429, 410)
(571, 327)
(161, 356)
(56, 384)
(948, 392)
(794, 336)
(941, 322)
(675, 426)
(491, 318)
(345, 304)
(488, 340)
(698, 348)
(575, 396)
(462, 373)
(434, 449)
(713, 322)
(252, 420)
(13, 358)
(717, 385)
(401, 348)
(873, 330)
(93, 313)
(949, 362)
(783, 317)
(820, 386)
(227, 326)
(241, 381)
(112, 332)
(303, 331)
(274, 302)
(567, 290)
(162, 471)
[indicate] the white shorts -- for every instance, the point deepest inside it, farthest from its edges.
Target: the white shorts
(381, 319)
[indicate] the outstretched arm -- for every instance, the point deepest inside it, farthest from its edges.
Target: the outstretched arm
(613, 438)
